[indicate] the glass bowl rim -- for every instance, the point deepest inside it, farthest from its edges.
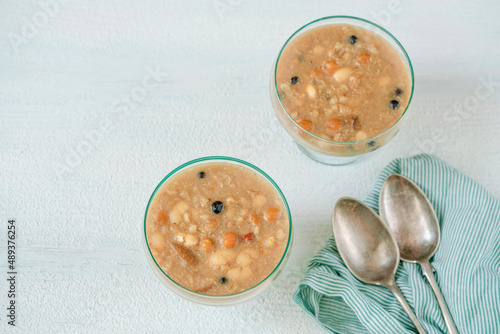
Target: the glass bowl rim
(299, 31)
(226, 159)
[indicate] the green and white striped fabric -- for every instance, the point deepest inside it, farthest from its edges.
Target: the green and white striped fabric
(467, 264)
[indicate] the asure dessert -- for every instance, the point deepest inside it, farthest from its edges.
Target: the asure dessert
(342, 82)
(217, 228)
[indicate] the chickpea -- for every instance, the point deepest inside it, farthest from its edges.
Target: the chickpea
(209, 225)
(229, 239)
(207, 245)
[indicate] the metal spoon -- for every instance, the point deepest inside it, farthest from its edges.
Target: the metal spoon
(368, 248)
(413, 222)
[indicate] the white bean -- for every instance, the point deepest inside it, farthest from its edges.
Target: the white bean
(342, 74)
(221, 257)
(384, 81)
(318, 49)
(361, 135)
(178, 211)
(191, 240)
(157, 241)
(234, 273)
(280, 233)
(230, 200)
(311, 91)
(259, 201)
(244, 259)
(270, 241)
(246, 272)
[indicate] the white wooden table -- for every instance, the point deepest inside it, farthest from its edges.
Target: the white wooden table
(78, 162)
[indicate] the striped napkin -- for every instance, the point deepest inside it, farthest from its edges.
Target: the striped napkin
(467, 264)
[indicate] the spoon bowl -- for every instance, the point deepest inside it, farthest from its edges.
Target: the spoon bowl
(364, 243)
(367, 248)
(410, 217)
(412, 220)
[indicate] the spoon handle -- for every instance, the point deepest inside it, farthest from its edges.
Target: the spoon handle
(402, 300)
(428, 272)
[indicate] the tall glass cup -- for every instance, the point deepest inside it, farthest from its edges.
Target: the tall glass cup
(328, 151)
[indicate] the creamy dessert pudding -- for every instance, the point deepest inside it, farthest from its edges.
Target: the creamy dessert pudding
(217, 228)
(338, 84)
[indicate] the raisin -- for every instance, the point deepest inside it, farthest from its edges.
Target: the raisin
(217, 207)
(394, 104)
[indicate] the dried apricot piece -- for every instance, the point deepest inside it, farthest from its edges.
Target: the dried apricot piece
(330, 67)
(316, 73)
(306, 125)
(162, 218)
(254, 219)
(333, 124)
(272, 214)
(364, 58)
